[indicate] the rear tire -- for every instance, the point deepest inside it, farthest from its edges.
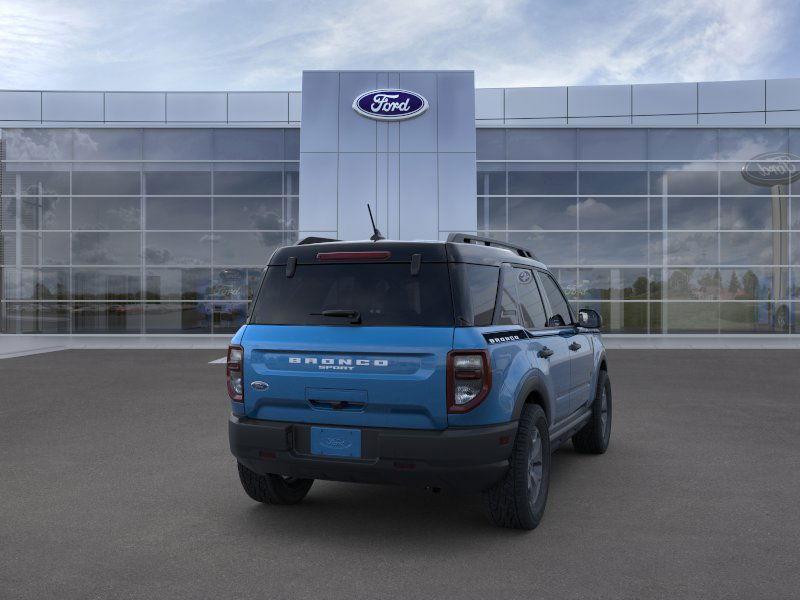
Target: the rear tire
(518, 500)
(595, 435)
(273, 489)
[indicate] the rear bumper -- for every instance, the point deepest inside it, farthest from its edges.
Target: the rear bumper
(463, 459)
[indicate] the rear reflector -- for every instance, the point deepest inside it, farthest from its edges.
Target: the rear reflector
(370, 255)
(405, 466)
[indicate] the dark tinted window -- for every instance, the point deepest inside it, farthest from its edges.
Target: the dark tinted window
(383, 294)
(93, 212)
(291, 140)
(682, 144)
(538, 183)
(119, 183)
(530, 301)
(541, 144)
(174, 212)
(613, 182)
(604, 144)
(178, 183)
(248, 213)
(178, 144)
(491, 144)
(559, 309)
(507, 313)
(248, 183)
(248, 144)
(474, 292)
(107, 144)
(40, 212)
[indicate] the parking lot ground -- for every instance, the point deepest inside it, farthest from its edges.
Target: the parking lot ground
(116, 482)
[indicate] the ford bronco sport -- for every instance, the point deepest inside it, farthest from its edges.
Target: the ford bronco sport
(457, 365)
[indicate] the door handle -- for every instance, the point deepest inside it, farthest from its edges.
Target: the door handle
(574, 346)
(545, 352)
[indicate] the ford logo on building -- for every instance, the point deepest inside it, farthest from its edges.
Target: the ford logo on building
(772, 168)
(390, 105)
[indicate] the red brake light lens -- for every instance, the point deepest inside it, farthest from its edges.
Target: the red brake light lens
(469, 379)
(234, 373)
(356, 256)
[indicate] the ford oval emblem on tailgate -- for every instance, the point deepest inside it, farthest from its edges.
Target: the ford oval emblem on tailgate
(260, 385)
(332, 441)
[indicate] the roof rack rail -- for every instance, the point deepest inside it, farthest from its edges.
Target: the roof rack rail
(466, 238)
(315, 240)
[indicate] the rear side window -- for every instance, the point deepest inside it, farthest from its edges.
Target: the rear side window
(559, 308)
(507, 302)
(530, 300)
(383, 294)
(474, 293)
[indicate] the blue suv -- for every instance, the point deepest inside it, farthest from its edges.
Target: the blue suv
(456, 365)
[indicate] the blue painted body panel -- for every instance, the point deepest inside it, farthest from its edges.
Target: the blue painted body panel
(330, 441)
(516, 366)
(510, 365)
(395, 376)
(346, 375)
(237, 337)
(558, 372)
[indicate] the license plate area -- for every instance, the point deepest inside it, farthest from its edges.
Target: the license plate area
(333, 441)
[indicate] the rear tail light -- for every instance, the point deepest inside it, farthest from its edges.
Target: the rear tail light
(469, 378)
(234, 371)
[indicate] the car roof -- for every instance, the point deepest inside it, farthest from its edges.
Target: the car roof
(402, 252)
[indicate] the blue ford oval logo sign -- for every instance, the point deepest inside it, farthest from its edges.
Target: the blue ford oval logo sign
(390, 105)
(772, 168)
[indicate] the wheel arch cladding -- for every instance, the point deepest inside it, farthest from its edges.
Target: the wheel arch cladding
(534, 391)
(601, 365)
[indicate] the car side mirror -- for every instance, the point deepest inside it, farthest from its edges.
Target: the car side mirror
(590, 319)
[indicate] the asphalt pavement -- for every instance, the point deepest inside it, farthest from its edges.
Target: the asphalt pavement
(116, 482)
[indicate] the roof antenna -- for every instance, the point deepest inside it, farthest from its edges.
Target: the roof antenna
(377, 234)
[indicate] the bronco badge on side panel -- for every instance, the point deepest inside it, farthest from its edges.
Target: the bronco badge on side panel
(498, 337)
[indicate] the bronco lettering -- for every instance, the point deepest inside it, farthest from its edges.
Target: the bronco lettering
(338, 363)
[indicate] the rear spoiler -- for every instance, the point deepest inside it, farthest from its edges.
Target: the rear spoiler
(315, 240)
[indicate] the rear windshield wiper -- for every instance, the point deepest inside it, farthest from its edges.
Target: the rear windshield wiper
(353, 315)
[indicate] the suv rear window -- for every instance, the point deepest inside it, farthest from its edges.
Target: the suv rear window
(474, 292)
(383, 294)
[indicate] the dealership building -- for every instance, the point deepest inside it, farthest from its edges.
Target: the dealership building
(671, 209)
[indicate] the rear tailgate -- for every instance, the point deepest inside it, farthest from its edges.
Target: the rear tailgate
(344, 375)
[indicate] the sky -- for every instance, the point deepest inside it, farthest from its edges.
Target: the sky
(264, 45)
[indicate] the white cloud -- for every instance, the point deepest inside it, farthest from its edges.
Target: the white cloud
(35, 38)
(384, 35)
(205, 44)
(672, 40)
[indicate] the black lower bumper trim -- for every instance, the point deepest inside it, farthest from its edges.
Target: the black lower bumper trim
(463, 459)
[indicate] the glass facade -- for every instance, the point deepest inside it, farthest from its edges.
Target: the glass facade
(657, 229)
(159, 230)
(141, 230)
